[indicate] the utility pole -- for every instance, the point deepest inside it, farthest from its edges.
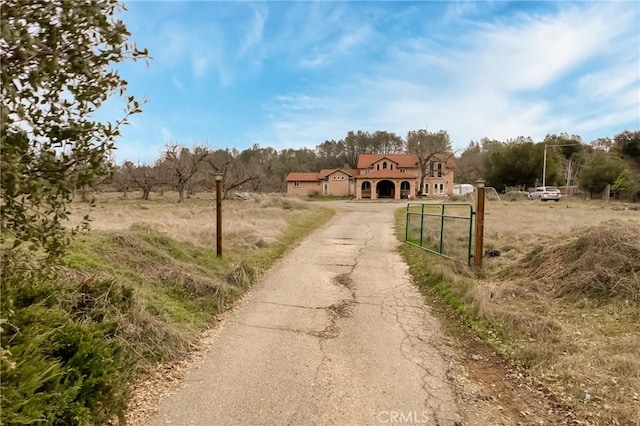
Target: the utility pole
(544, 167)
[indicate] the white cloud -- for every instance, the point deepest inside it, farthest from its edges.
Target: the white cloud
(527, 76)
(254, 30)
(474, 69)
(200, 65)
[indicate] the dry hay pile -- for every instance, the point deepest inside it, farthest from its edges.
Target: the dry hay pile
(601, 262)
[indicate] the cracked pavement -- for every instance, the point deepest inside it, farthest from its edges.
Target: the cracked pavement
(335, 333)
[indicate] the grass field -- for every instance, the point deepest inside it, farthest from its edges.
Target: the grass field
(562, 301)
(166, 253)
(134, 293)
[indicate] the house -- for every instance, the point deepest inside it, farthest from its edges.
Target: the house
(336, 182)
(394, 176)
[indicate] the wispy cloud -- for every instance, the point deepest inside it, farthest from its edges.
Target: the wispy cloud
(254, 30)
(292, 74)
(502, 81)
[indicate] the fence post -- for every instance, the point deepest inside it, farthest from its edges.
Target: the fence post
(421, 223)
(442, 230)
(479, 243)
(406, 224)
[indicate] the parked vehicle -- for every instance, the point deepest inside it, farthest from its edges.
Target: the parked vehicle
(545, 193)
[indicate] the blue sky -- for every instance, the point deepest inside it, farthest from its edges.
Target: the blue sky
(294, 74)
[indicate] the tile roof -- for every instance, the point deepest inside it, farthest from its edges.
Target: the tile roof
(326, 172)
(402, 160)
(448, 157)
(303, 177)
(387, 174)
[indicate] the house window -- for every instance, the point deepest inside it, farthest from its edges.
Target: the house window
(378, 167)
(296, 184)
(431, 169)
(405, 186)
(403, 170)
(439, 170)
(391, 166)
(425, 188)
(366, 186)
(384, 165)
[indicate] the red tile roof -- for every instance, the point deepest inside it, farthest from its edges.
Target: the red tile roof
(402, 160)
(387, 174)
(448, 157)
(302, 177)
(326, 172)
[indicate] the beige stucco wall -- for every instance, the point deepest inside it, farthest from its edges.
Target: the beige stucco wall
(390, 165)
(304, 189)
(338, 184)
(413, 185)
(446, 179)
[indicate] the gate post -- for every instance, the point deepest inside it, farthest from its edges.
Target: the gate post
(479, 237)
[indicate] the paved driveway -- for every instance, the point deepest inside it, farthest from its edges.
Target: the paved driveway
(335, 333)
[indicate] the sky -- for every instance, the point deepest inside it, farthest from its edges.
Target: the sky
(294, 74)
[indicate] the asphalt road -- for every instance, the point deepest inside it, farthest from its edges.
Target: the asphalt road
(334, 334)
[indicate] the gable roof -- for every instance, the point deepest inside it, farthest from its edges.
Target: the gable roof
(327, 172)
(387, 174)
(302, 177)
(448, 158)
(402, 160)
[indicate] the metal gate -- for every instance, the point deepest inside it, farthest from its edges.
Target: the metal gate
(443, 229)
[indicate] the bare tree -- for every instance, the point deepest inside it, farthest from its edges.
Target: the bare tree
(234, 172)
(426, 145)
(571, 168)
(183, 165)
(122, 177)
(144, 177)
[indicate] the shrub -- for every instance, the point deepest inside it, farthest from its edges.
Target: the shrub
(57, 367)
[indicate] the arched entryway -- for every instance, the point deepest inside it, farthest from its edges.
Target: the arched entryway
(405, 189)
(365, 189)
(386, 189)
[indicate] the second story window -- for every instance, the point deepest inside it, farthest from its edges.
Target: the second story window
(439, 169)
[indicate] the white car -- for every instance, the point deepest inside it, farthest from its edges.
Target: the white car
(545, 193)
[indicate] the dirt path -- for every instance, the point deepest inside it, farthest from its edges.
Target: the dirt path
(337, 334)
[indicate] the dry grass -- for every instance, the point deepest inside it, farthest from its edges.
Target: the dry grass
(249, 224)
(563, 300)
(164, 254)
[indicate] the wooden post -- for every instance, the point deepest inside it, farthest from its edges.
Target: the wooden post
(478, 251)
(218, 215)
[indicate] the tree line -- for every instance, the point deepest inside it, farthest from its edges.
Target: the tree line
(512, 164)
(263, 169)
(519, 163)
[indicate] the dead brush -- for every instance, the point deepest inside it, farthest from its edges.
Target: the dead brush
(285, 203)
(193, 284)
(601, 262)
(241, 275)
